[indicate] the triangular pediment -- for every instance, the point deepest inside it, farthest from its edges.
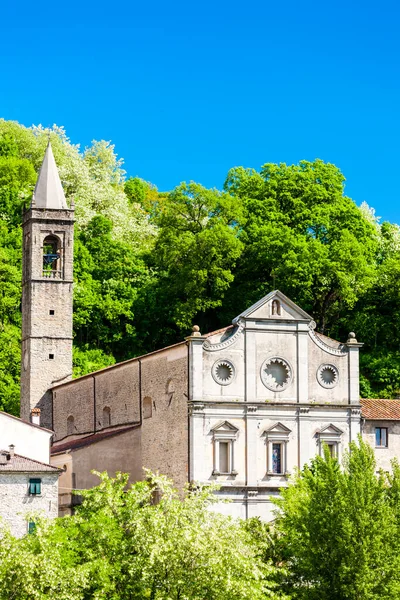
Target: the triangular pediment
(274, 305)
(278, 428)
(330, 430)
(224, 426)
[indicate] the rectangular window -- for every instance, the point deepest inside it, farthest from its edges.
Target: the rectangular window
(51, 312)
(35, 487)
(381, 437)
(277, 457)
(51, 356)
(224, 448)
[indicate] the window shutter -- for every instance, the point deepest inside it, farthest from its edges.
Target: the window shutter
(35, 487)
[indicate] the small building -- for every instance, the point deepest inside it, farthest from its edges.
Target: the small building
(381, 429)
(26, 486)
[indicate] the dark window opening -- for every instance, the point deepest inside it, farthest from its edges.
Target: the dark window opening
(51, 356)
(51, 312)
(35, 487)
(381, 437)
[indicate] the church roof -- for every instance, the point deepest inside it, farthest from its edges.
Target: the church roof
(21, 464)
(48, 191)
(90, 439)
(376, 409)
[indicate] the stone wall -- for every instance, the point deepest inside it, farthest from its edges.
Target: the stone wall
(46, 310)
(157, 380)
(15, 501)
(165, 433)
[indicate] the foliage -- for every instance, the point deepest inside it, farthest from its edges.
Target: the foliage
(149, 265)
(339, 529)
(121, 544)
(303, 236)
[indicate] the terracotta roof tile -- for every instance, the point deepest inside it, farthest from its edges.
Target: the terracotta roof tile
(90, 439)
(22, 464)
(380, 409)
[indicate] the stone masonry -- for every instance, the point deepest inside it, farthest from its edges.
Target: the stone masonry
(46, 295)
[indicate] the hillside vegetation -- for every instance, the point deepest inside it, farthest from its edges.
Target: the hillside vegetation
(148, 264)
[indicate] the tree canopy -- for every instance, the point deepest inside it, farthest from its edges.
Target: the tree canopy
(135, 542)
(150, 264)
(337, 529)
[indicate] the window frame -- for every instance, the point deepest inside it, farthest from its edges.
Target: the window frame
(226, 435)
(387, 437)
(277, 434)
(35, 486)
(331, 436)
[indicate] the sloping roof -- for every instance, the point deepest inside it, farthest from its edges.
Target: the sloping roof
(48, 191)
(380, 409)
(90, 439)
(22, 464)
(274, 294)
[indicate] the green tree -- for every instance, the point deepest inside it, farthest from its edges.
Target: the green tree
(338, 531)
(303, 236)
(135, 542)
(194, 256)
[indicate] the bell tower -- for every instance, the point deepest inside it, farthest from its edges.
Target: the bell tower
(47, 270)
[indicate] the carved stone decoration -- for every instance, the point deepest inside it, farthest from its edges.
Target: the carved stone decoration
(341, 351)
(223, 372)
(276, 374)
(210, 347)
(327, 376)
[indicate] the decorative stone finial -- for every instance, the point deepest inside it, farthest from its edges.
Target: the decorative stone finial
(196, 331)
(352, 338)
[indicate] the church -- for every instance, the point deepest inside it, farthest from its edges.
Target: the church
(242, 407)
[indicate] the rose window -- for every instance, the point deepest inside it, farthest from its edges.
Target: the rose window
(327, 376)
(223, 372)
(276, 374)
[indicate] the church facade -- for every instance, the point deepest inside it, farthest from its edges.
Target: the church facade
(243, 407)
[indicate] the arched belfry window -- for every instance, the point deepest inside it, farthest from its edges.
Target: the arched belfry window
(51, 257)
(106, 416)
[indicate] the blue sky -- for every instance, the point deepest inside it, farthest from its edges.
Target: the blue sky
(187, 90)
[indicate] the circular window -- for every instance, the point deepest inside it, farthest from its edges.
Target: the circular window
(223, 372)
(327, 376)
(276, 374)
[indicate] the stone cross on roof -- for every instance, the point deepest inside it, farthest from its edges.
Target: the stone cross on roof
(48, 191)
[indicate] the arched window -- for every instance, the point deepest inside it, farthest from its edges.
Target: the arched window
(70, 425)
(106, 416)
(51, 257)
(147, 407)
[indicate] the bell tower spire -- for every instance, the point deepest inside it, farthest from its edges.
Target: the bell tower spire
(47, 274)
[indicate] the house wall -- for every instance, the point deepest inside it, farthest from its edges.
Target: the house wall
(15, 501)
(383, 456)
(30, 441)
(118, 453)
